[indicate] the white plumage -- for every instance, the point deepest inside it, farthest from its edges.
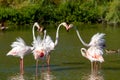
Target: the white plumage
(42, 47)
(98, 40)
(19, 48)
(39, 51)
(95, 48)
(49, 44)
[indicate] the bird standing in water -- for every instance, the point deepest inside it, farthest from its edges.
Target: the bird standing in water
(20, 49)
(95, 49)
(43, 47)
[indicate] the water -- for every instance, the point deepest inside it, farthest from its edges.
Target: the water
(67, 62)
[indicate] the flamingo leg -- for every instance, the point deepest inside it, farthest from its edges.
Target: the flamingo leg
(36, 67)
(96, 68)
(48, 60)
(21, 67)
(99, 66)
(92, 66)
(48, 69)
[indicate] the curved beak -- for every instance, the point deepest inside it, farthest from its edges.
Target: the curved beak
(69, 27)
(40, 29)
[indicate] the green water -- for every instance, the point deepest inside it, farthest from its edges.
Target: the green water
(67, 62)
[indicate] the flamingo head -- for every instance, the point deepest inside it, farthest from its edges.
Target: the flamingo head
(65, 25)
(70, 26)
(39, 28)
(39, 54)
(83, 51)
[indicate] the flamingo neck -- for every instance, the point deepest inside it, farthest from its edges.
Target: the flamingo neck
(83, 52)
(44, 35)
(33, 31)
(78, 34)
(57, 34)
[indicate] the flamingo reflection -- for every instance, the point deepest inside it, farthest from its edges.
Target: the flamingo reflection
(93, 77)
(46, 74)
(16, 77)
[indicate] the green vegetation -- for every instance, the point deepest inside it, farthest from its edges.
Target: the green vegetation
(52, 11)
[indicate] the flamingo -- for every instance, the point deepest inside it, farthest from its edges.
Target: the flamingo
(95, 48)
(20, 49)
(42, 47)
(39, 51)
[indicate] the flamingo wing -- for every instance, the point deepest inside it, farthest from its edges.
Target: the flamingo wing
(19, 48)
(49, 44)
(97, 40)
(37, 42)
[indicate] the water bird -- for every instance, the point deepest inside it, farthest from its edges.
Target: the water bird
(3, 27)
(43, 47)
(20, 49)
(95, 49)
(111, 51)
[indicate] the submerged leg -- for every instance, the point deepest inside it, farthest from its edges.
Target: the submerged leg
(36, 67)
(97, 67)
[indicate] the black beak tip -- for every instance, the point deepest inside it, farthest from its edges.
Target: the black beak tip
(68, 30)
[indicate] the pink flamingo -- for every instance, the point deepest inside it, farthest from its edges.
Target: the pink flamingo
(42, 47)
(20, 49)
(95, 49)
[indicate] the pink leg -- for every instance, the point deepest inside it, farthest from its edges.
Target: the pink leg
(92, 67)
(48, 60)
(21, 67)
(48, 69)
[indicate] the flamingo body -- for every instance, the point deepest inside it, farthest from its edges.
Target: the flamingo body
(20, 49)
(93, 54)
(98, 40)
(95, 49)
(43, 47)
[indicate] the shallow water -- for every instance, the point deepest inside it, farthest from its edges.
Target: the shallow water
(67, 62)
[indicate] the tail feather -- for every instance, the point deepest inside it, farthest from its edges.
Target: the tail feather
(19, 42)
